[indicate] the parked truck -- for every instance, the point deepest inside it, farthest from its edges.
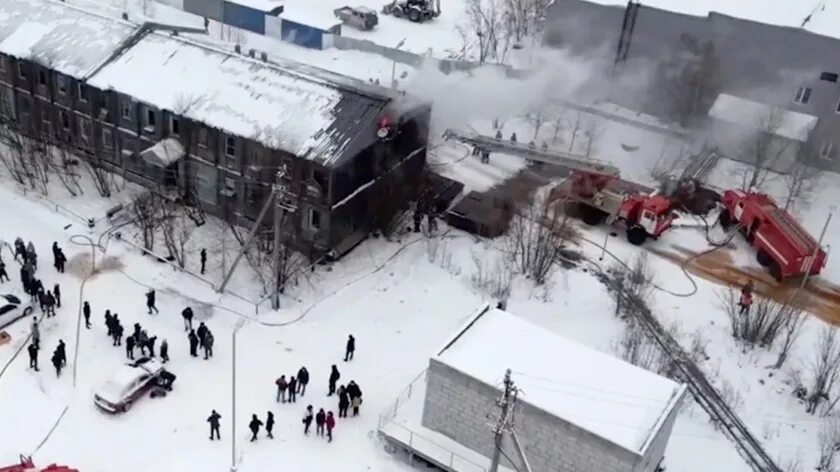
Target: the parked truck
(782, 244)
(362, 18)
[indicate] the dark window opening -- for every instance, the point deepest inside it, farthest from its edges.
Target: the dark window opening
(150, 118)
(314, 219)
(42, 77)
(65, 120)
(175, 126)
(829, 77)
(320, 178)
(230, 146)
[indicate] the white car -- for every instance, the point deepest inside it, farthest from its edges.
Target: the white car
(129, 383)
(12, 308)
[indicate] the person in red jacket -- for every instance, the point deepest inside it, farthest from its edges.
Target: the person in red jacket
(330, 425)
(745, 302)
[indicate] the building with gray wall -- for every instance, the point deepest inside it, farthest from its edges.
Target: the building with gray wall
(575, 413)
(786, 67)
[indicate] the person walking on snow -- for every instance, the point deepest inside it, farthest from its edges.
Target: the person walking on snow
(320, 419)
(49, 303)
(151, 345)
(255, 427)
(745, 302)
(3, 273)
(129, 347)
(164, 351)
(55, 254)
(355, 394)
(187, 314)
(33, 356)
(350, 349)
(86, 313)
(269, 425)
(109, 322)
(150, 301)
(57, 295)
(61, 350)
(203, 260)
(292, 388)
(193, 343)
(36, 333)
(334, 376)
(56, 362)
(208, 345)
(118, 332)
(343, 402)
(31, 255)
(307, 419)
(201, 332)
(281, 388)
(330, 425)
(214, 425)
(60, 261)
(302, 380)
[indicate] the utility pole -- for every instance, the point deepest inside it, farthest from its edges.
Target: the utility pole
(813, 256)
(281, 209)
(504, 425)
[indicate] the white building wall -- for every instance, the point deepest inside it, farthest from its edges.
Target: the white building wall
(458, 406)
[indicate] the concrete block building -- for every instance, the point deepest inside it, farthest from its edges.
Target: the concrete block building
(581, 410)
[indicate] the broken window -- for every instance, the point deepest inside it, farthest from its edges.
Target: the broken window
(62, 84)
(320, 178)
(803, 95)
(174, 126)
(42, 77)
(107, 139)
(230, 187)
(151, 119)
(314, 219)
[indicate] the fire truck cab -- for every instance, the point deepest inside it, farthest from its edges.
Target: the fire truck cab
(26, 465)
(782, 244)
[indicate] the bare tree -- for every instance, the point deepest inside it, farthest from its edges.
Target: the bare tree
(144, 210)
(763, 150)
(177, 230)
(487, 23)
(689, 79)
(803, 175)
(829, 441)
(537, 238)
(576, 125)
(496, 280)
(824, 368)
(633, 282)
(763, 323)
(523, 16)
(790, 332)
(537, 116)
(65, 165)
(634, 347)
(592, 133)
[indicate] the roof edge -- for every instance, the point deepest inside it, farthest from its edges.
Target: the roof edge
(484, 309)
(674, 403)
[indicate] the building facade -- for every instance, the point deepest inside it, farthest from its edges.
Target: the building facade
(334, 168)
(790, 68)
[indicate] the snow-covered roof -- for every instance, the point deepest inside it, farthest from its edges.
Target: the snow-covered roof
(310, 16)
(597, 392)
(261, 5)
(64, 38)
(285, 110)
(164, 153)
(759, 116)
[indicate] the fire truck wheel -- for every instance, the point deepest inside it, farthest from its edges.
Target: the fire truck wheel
(592, 216)
(775, 271)
(725, 219)
(763, 258)
(636, 235)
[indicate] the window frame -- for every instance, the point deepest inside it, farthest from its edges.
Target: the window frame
(84, 129)
(230, 145)
(21, 70)
(150, 119)
(42, 74)
(174, 125)
(127, 106)
(61, 84)
(826, 148)
(312, 215)
(203, 137)
(64, 120)
(803, 95)
(80, 91)
(107, 143)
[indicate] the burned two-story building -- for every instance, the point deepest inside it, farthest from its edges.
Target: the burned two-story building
(195, 120)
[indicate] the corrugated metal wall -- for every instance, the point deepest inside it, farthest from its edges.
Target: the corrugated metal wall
(207, 8)
(243, 17)
(302, 35)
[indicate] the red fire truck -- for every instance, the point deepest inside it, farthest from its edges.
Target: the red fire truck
(607, 198)
(784, 246)
(26, 465)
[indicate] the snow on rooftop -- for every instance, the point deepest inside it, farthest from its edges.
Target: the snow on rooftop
(759, 116)
(261, 5)
(310, 17)
(231, 92)
(66, 39)
(597, 392)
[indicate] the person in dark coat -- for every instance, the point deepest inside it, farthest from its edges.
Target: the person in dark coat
(282, 385)
(214, 425)
(350, 348)
(307, 419)
(334, 376)
(201, 332)
(269, 424)
(343, 402)
(49, 303)
(33, 356)
(3, 273)
(60, 261)
(187, 314)
(330, 425)
(118, 332)
(31, 255)
(25, 281)
(255, 427)
(292, 388)
(193, 343)
(208, 344)
(37, 288)
(109, 322)
(164, 351)
(143, 342)
(137, 330)
(55, 254)
(129, 347)
(20, 249)
(56, 362)
(151, 345)
(513, 138)
(57, 294)
(86, 313)
(61, 350)
(499, 134)
(203, 260)
(42, 303)
(320, 419)
(36, 333)
(302, 380)
(150, 301)
(355, 394)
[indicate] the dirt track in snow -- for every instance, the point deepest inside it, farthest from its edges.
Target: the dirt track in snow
(820, 298)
